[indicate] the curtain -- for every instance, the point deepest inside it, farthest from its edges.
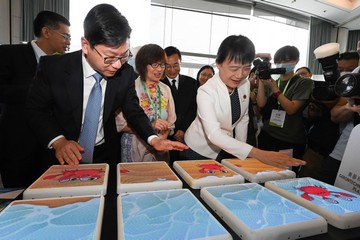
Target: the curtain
(320, 33)
(353, 38)
(32, 7)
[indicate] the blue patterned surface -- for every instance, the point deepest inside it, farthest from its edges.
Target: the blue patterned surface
(259, 208)
(332, 198)
(30, 221)
(172, 214)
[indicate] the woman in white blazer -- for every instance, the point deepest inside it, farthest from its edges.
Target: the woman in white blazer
(217, 125)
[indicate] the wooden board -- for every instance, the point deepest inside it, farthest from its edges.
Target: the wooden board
(202, 173)
(258, 172)
(146, 176)
(70, 180)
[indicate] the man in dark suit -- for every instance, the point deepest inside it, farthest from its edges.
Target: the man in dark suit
(60, 94)
(63, 91)
(184, 90)
(19, 151)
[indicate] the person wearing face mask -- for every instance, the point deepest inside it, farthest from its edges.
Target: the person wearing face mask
(282, 102)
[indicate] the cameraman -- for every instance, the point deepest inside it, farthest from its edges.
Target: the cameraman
(324, 133)
(347, 113)
(282, 102)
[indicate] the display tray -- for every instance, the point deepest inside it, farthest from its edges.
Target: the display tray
(339, 207)
(146, 176)
(203, 173)
(257, 172)
(70, 180)
(166, 214)
(53, 218)
(255, 213)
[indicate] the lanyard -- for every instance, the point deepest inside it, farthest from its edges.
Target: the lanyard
(284, 91)
(157, 111)
(287, 84)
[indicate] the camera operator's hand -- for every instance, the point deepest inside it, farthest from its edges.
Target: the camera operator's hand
(344, 109)
(352, 106)
(271, 83)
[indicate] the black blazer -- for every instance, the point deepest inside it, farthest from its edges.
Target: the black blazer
(17, 70)
(56, 101)
(185, 101)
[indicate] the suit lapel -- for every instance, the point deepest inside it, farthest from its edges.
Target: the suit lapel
(30, 57)
(111, 86)
(74, 83)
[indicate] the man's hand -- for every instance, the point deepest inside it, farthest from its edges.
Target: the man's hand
(67, 151)
(165, 144)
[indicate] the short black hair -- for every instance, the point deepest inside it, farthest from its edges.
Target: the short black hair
(171, 50)
(286, 53)
(351, 55)
(238, 48)
(48, 19)
(306, 68)
(148, 54)
(104, 24)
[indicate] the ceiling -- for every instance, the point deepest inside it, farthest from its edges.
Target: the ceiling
(342, 13)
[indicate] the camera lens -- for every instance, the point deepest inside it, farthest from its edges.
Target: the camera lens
(347, 85)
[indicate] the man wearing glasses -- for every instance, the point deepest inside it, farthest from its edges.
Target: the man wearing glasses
(73, 92)
(19, 151)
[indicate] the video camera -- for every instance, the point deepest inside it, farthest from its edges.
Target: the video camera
(263, 69)
(335, 85)
(348, 85)
(327, 56)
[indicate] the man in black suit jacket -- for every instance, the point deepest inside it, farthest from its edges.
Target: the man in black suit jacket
(19, 151)
(184, 93)
(58, 98)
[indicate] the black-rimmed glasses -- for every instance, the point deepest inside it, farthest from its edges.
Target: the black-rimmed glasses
(112, 60)
(156, 65)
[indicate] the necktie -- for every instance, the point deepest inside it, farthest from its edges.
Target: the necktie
(235, 115)
(235, 106)
(91, 120)
(173, 88)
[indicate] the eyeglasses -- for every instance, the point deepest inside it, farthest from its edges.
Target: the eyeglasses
(112, 60)
(206, 75)
(156, 65)
(66, 36)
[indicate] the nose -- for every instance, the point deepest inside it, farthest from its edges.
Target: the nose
(241, 73)
(117, 64)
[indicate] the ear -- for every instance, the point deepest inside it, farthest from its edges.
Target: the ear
(218, 65)
(45, 32)
(85, 45)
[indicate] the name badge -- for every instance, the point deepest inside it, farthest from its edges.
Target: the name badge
(277, 118)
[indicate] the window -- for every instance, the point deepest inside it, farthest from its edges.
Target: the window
(198, 27)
